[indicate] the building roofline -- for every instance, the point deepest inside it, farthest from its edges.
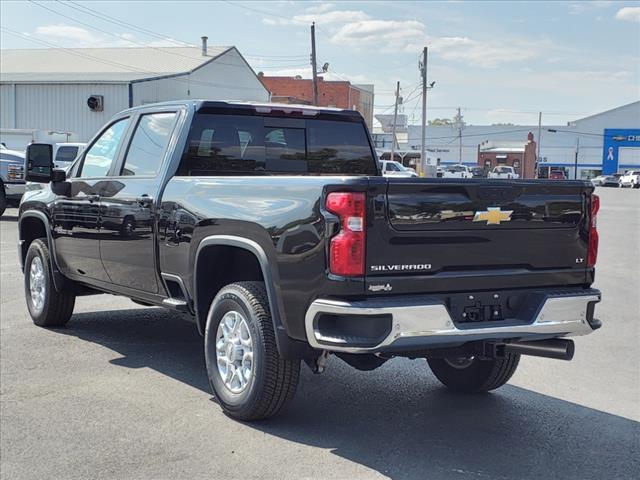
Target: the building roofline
(603, 113)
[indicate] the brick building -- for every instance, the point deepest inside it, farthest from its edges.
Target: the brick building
(522, 157)
(340, 94)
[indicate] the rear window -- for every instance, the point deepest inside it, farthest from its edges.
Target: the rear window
(254, 145)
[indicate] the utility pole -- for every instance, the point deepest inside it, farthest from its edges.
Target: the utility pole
(393, 128)
(535, 175)
(459, 123)
(423, 145)
(314, 68)
(575, 162)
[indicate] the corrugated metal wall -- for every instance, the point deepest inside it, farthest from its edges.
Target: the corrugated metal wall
(7, 106)
(226, 78)
(61, 107)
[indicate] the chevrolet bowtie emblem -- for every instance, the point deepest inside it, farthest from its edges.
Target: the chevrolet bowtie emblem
(493, 216)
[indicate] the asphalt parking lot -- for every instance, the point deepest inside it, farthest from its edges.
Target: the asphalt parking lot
(121, 392)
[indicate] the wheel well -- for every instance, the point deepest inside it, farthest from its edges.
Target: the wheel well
(217, 266)
(31, 228)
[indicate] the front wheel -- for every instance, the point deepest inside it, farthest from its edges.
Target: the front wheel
(47, 307)
(246, 373)
(472, 374)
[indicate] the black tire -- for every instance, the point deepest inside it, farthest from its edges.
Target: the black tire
(56, 307)
(128, 227)
(273, 380)
(3, 200)
(474, 375)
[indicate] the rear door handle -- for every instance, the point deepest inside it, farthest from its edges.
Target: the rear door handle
(144, 200)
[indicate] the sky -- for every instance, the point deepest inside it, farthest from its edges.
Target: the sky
(500, 62)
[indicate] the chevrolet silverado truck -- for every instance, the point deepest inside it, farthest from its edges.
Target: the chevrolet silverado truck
(272, 227)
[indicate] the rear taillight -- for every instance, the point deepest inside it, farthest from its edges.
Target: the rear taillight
(592, 255)
(346, 250)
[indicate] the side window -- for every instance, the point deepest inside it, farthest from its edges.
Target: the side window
(98, 159)
(148, 144)
(224, 145)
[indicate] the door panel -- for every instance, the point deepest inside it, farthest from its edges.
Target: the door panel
(127, 241)
(76, 222)
(76, 217)
(127, 235)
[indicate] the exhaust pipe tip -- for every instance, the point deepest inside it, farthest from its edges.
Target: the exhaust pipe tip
(558, 348)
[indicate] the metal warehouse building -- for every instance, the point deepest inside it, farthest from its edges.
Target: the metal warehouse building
(49, 89)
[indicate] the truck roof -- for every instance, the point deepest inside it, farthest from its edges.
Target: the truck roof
(260, 107)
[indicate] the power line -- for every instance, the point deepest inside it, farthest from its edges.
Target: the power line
(107, 18)
(116, 21)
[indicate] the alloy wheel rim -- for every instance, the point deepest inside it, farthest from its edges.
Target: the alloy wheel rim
(234, 351)
(37, 284)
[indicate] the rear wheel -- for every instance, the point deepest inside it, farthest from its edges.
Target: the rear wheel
(246, 373)
(472, 374)
(47, 307)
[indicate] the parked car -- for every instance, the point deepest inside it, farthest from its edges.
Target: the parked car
(11, 178)
(457, 171)
(65, 153)
(273, 228)
(396, 169)
(609, 181)
(439, 172)
(503, 171)
(478, 172)
(630, 179)
(597, 181)
(557, 175)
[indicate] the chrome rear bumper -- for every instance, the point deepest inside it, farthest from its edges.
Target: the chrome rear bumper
(425, 322)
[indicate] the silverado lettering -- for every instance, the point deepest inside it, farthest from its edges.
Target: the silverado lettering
(394, 268)
(272, 227)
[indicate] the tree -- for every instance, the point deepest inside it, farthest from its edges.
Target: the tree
(436, 122)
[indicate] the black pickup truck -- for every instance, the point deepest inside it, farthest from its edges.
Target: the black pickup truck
(271, 226)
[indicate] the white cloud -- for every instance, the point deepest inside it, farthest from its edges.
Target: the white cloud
(483, 53)
(321, 7)
(411, 36)
(335, 16)
(577, 8)
(389, 35)
(68, 34)
(322, 17)
(71, 36)
(630, 14)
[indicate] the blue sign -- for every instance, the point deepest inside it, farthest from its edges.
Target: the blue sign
(613, 140)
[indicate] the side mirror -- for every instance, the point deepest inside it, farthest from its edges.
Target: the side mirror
(39, 163)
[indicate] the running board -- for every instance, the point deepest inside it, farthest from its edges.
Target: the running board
(176, 304)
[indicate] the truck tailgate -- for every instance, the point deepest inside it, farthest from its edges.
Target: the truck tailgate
(459, 235)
